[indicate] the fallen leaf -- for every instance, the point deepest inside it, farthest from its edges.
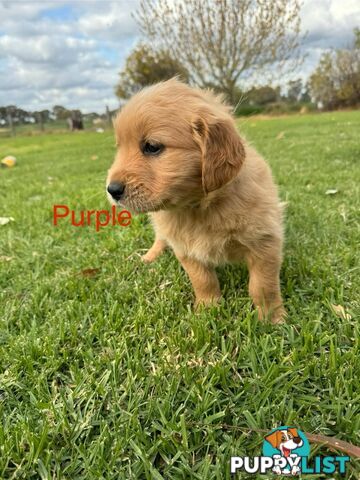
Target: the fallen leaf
(35, 198)
(165, 284)
(8, 161)
(4, 258)
(340, 312)
(94, 157)
(5, 220)
(280, 136)
(89, 272)
(331, 191)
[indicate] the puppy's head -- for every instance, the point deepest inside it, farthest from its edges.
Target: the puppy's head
(285, 440)
(175, 144)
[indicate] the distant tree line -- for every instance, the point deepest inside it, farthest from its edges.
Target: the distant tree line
(292, 97)
(58, 113)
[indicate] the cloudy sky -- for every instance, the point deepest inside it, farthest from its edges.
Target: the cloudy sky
(70, 52)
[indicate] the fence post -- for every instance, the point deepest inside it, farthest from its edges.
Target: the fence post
(108, 116)
(11, 123)
(41, 121)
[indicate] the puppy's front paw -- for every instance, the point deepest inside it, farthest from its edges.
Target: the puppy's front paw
(275, 315)
(204, 302)
(149, 257)
(278, 316)
(155, 251)
(277, 470)
(295, 470)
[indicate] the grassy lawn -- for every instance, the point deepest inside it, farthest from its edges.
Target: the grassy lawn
(108, 374)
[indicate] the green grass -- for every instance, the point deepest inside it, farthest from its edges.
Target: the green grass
(112, 376)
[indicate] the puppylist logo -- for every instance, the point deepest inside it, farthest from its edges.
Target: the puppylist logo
(286, 451)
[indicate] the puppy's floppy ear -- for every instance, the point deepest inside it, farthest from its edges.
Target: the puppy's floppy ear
(293, 432)
(222, 151)
(274, 439)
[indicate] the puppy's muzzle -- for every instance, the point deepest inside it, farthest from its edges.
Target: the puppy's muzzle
(116, 190)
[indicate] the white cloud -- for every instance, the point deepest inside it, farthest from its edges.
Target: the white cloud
(113, 24)
(26, 10)
(66, 53)
(330, 23)
(44, 49)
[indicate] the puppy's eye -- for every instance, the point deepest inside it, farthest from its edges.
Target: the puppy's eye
(152, 148)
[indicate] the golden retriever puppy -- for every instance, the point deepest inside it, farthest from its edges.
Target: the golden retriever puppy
(210, 196)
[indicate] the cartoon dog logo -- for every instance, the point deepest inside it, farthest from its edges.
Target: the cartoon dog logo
(285, 440)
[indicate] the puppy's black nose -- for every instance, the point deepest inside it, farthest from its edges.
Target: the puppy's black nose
(116, 189)
(297, 440)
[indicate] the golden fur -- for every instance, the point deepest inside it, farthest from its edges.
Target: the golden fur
(210, 196)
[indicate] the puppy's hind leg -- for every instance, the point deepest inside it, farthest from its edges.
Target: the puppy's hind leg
(155, 251)
(264, 284)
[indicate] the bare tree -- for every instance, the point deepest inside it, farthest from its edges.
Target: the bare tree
(222, 41)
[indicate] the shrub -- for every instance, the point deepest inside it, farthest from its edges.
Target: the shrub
(247, 110)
